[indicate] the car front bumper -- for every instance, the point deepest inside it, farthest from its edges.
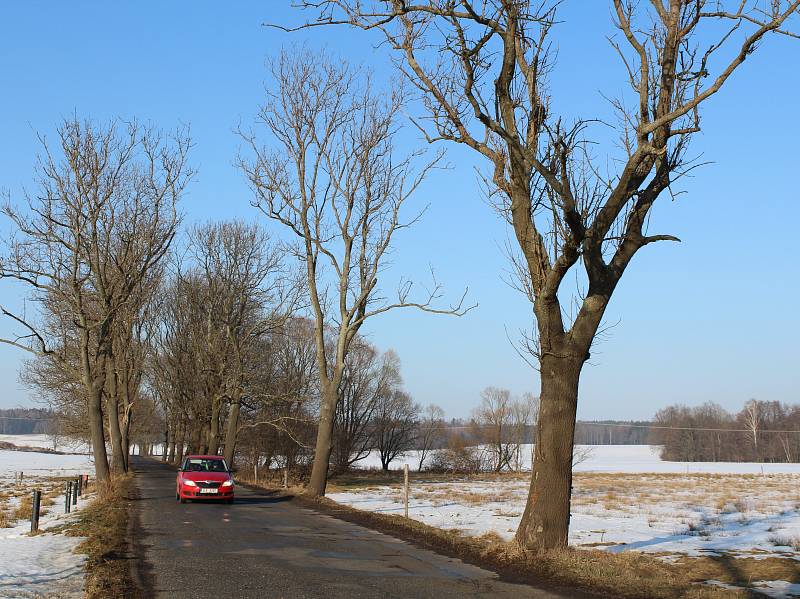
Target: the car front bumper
(195, 493)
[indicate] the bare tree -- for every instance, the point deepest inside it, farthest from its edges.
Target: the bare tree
(497, 427)
(104, 216)
(430, 433)
(368, 378)
(332, 177)
(752, 421)
(252, 293)
(395, 425)
(482, 73)
(523, 415)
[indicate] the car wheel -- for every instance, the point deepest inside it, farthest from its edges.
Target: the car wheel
(182, 500)
(229, 501)
(177, 496)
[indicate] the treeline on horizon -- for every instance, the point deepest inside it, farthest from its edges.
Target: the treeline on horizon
(762, 431)
(587, 432)
(25, 421)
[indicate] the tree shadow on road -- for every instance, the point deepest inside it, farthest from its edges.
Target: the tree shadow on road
(264, 498)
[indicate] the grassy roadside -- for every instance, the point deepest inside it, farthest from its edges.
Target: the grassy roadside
(105, 524)
(594, 573)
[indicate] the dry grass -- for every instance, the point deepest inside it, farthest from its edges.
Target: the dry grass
(739, 571)
(105, 524)
(786, 541)
(24, 508)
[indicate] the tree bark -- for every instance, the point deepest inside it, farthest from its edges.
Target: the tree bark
(322, 454)
(180, 445)
(117, 459)
(545, 522)
(233, 427)
(97, 434)
(112, 401)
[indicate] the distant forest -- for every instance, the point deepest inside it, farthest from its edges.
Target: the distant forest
(593, 432)
(762, 431)
(24, 421)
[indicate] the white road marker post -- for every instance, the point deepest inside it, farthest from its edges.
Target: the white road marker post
(405, 485)
(286, 477)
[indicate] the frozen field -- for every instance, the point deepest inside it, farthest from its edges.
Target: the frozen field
(626, 499)
(631, 459)
(47, 442)
(44, 564)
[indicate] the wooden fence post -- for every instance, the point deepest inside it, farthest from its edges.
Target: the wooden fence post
(67, 497)
(37, 502)
(405, 486)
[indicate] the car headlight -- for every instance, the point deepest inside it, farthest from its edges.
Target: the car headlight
(189, 483)
(228, 483)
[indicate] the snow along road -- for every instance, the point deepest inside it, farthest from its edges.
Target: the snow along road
(267, 546)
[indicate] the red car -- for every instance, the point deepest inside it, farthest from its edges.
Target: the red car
(204, 477)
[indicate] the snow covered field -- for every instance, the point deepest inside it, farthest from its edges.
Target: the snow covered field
(632, 459)
(64, 444)
(43, 564)
(625, 498)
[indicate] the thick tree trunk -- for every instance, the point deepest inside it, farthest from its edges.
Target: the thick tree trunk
(101, 469)
(117, 458)
(180, 445)
(545, 522)
(125, 431)
(127, 416)
(112, 402)
(232, 429)
(322, 454)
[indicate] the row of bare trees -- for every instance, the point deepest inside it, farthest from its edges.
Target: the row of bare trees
(86, 251)
(196, 336)
(762, 431)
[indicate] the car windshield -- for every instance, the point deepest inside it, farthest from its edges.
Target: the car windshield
(204, 465)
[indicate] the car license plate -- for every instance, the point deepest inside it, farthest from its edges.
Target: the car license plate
(208, 490)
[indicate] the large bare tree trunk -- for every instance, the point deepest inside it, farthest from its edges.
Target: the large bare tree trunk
(180, 445)
(322, 453)
(115, 434)
(97, 434)
(112, 401)
(233, 427)
(545, 522)
(125, 435)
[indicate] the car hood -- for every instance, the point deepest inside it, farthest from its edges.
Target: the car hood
(217, 477)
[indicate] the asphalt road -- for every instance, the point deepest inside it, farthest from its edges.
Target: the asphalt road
(267, 546)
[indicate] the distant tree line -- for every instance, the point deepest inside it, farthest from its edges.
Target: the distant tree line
(612, 432)
(762, 431)
(596, 432)
(25, 421)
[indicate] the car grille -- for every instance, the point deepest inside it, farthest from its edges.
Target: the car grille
(205, 484)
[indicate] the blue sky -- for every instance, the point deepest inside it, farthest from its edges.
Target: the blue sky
(713, 318)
